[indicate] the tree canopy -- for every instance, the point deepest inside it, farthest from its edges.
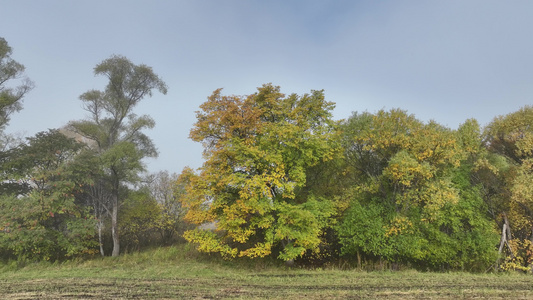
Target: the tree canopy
(44, 220)
(411, 197)
(11, 95)
(257, 151)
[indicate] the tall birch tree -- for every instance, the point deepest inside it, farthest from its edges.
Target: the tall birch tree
(116, 131)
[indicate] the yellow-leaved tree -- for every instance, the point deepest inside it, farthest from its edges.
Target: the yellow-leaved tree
(257, 150)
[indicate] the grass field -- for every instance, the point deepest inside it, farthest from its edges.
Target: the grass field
(178, 273)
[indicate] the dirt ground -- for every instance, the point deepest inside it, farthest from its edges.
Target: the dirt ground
(83, 288)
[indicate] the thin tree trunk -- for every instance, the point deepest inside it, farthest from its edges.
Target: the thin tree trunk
(100, 225)
(114, 224)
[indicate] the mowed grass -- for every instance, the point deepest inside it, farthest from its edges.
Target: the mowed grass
(181, 273)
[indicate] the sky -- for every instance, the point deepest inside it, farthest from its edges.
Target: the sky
(447, 61)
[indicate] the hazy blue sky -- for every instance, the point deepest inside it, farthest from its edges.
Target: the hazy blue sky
(442, 60)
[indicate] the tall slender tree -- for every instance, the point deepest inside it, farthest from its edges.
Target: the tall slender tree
(115, 130)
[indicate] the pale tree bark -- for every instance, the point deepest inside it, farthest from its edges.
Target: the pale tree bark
(114, 228)
(503, 239)
(114, 216)
(506, 235)
(100, 202)
(100, 226)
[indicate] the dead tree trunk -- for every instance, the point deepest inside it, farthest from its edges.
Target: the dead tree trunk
(503, 239)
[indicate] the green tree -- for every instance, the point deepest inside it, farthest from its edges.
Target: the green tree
(395, 154)
(116, 131)
(153, 213)
(43, 219)
(139, 218)
(96, 189)
(11, 96)
(258, 149)
(412, 200)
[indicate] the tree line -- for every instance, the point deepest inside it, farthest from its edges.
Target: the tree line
(281, 178)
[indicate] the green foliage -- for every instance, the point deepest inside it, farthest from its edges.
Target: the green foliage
(138, 219)
(463, 237)
(412, 200)
(124, 161)
(363, 230)
(11, 97)
(44, 222)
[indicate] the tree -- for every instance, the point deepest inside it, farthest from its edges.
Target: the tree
(42, 219)
(412, 200)
(11, 97)
(167, 192)
(139, 218)
(396, 154)
(116, 131)
(509, 139)
(95, 189)
(258, 149)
